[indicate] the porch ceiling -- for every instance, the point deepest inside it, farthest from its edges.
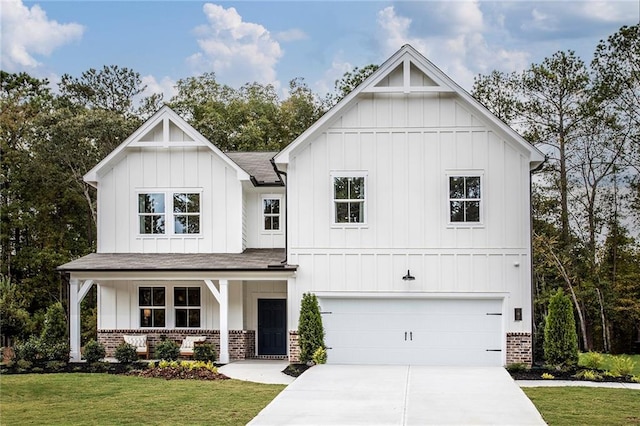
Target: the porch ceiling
(249, 260)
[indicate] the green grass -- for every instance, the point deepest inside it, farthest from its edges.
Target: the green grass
(586, 406)
(607, 362)
(113, 399)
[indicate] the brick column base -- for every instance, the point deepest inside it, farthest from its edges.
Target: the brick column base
(519, 348)
(294, 349)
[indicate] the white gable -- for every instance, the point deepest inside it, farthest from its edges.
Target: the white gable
(165, 129)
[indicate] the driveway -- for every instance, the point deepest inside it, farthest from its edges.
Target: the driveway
(400, 395)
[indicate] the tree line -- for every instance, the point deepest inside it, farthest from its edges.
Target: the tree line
(586, 197)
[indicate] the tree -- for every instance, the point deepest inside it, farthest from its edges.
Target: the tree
(55, 325)
(14, 318)
(349, 81)
(560, 339)
(310, 329)
(498, 93)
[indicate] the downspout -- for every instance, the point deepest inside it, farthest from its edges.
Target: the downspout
(280, 174)
(533, 295)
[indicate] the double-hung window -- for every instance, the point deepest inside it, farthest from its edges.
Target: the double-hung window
(151, 301)
(187, 306)
(156, 209)
(465, 199)
(271, 213)
(349, 198)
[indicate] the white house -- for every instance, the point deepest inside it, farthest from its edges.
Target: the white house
(405, 209)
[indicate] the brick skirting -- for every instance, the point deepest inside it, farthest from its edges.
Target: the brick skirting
(294, 348)
(519, 349)
(241, 342)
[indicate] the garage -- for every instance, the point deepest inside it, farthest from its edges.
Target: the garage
(457, 332)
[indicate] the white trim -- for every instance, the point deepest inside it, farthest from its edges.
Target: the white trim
(349, 174)
(169, 214)
(171, 275)
(139, 307)
(280, 215)
(483, 197)
(408, 295)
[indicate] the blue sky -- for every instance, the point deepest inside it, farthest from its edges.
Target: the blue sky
(275, 41)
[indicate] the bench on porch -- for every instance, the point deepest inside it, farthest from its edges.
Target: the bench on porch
(189, 343)
(140, 342)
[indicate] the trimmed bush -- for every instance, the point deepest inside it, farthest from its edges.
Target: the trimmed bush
(168, 350)
(310, 329)
(560, 337)
(204, 352)
(592, 360)
(94, 351)
(126, 353)
(320, 356)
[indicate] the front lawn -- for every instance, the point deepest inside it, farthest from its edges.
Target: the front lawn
(117, 399)
(586, 406)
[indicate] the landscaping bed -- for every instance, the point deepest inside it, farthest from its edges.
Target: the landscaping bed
(574, 374)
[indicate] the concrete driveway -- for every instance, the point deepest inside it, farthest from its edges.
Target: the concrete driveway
(400, 395)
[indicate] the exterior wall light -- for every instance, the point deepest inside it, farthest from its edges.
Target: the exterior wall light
(517, 313)
(408, 277)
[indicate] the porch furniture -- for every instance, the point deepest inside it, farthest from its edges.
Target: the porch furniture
(140, 342)
(189, 342)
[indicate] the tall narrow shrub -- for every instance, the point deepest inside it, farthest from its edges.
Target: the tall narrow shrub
(310, 329)
(560, 336)
(55, 325)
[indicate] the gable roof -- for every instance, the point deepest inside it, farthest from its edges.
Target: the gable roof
(158, 131)
(258, 165)
(407, 71)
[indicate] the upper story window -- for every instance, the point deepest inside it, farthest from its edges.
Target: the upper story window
(156, 209)
(151, 213)
(187, 306)
(186, 213)
(349, 197)
(271, 214)
(151, 301)
(464, 199)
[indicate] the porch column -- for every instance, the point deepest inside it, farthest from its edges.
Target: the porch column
(77, 293)
(222, 296)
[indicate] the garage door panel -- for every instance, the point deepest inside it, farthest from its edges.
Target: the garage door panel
(414, 331)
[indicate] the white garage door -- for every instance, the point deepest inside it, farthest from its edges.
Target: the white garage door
(413, 331)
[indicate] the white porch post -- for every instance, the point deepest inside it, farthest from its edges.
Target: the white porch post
(224, 321)
(77, 293)
(222, 296)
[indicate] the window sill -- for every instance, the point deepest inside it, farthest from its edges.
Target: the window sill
(465, 225)
(349, 226)
(170, 236)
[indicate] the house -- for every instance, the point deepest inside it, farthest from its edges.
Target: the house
(405, 209)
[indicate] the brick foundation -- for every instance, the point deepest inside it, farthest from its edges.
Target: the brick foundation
(241, 342)
(294, 349)
(519, 349)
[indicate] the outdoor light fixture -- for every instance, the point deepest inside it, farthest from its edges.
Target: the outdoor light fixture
(517, 313)
(408, 277)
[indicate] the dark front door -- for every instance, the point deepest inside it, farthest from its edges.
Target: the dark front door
(272, 326)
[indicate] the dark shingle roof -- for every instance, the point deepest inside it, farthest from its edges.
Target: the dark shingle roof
(257, 164)
(249, 260)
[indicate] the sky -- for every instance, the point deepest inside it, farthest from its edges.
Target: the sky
(275, 41)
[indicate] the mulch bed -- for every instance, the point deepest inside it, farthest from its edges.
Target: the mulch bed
(171, 373)
(535, 373)
(295, 370)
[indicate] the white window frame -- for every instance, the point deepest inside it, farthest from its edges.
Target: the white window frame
(187, 307)
(169, 215)
(349, 174)
(141, 307)
(483, 196)
(263, 215)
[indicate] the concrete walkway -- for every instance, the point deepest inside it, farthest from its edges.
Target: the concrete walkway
(400, 395)
(259, 371)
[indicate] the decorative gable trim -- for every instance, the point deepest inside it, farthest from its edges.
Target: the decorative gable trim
(402, 73)
(158, 132)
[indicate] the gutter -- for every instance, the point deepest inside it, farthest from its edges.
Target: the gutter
(280, 174)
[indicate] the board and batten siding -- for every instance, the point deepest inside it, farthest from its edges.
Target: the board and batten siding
(407, 145)
(257, 236)
(166, 169)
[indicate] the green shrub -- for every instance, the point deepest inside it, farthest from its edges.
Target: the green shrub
(547, 376)
(126, 353)
(622, 366)
(55, 351)
(204, 352)
(320, 356)
(56, 366)
(23, 364)
(310, 329)
(517, 367)
(560, 337)
(167, 349)
(635, 379)
(29, 350)
(55, 325)
(592, 360)
(588, 375)
(94, 351)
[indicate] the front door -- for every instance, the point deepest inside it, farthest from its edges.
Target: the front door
(272, 326)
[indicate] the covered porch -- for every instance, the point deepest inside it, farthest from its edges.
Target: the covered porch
(171, 296)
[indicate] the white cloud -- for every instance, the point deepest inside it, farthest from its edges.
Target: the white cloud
(237, 51)
(166, 86)
(293, 34)
(462, 51)
(28, 32)
(335, 72)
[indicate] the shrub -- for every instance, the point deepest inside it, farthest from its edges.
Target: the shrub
(588, 375)
(517, 367)
(55, 325)
(635, 379)
(126, 353)
(29, 350)
(55, 351)
(204, 352)
(320, 356)
(592, 360)
(23, 364)
(167, 349)
(94, 351)
(560, 337)
(310, 329)
(622, 365)
(56, 365)
(547, 376)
